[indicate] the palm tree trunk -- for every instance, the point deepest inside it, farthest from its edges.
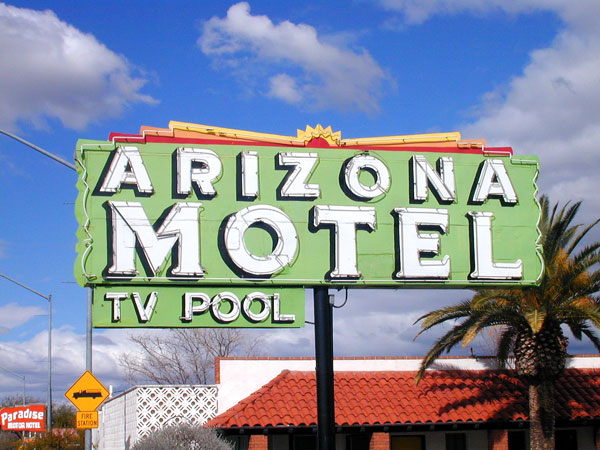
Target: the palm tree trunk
(541, 415)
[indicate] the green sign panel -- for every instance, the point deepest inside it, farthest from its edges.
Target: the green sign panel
(203, 210)
(201, 214)
(143, 306)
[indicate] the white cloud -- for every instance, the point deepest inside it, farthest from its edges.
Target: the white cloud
(326, 75)
(29, 358)
(369, 323)
(49, 69)
(418, 11)
(12, 315)
(551, 109)
(284, 87)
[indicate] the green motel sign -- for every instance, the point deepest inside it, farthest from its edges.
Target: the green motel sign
(171, 220)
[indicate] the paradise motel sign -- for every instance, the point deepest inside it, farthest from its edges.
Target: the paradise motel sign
(197, 226)
(23, 418)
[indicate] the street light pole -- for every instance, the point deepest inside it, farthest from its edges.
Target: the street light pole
(49, 299)
(49, 413)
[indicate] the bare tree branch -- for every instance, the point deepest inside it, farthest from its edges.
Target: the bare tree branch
(183, 355)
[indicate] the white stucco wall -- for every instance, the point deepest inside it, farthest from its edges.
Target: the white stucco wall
(584, 362)
(118, 421)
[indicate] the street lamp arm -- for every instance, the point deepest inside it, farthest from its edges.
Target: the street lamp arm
(39, 149)
(47, 297)
(13, 373)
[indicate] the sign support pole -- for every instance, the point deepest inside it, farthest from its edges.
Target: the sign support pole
(88, 357)
(324, 369)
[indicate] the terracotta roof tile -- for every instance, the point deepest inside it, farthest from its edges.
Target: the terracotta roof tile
(369, 398)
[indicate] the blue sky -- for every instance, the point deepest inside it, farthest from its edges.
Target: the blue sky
(524, 73)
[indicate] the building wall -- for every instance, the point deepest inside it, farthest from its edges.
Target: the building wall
(585, 438)
(436, 440)
(141, 410)
(477, 439)
(117, 419)
(282, 442)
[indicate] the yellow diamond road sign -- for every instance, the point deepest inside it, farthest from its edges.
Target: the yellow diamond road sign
(87, 393)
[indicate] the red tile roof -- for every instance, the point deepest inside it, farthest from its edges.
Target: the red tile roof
(379, 398)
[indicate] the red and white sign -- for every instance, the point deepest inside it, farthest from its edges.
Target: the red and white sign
(23, 418)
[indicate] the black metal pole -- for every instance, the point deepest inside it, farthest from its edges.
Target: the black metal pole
(324, 369)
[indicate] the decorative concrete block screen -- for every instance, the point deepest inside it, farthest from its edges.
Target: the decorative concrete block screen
(141, 410)
(158, 406)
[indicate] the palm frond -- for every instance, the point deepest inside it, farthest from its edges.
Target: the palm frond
(445, 343)
(558, 231)
(575, 313)
(433, 318)
(535, 318)
(567, 294)
(592, 336)
(588, 256)
(575, 242)
(494, 315)
(505, 345)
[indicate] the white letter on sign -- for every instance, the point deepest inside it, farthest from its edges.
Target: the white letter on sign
(494, 180)
(442, 183)
(188, 305)
(485, 267)
(118, 174)
(233, 301)
(344, 220)
(265, 309)
(413, 243)
(249, 181)
(130, 223)
(116, 298)
(277, 316)
(295, 183)
(208, 171)
(275, 219)
(144, 312)
(375, 166)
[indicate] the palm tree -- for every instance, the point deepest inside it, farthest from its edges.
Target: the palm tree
(531, 317)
